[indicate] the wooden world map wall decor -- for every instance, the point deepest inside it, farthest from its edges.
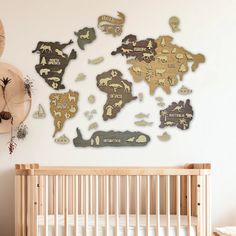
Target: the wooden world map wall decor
(112, 138)
(85, 36)
(111, 25)
(118, 90)
(143, 50)
(53, 62)
(177, 114)
(2, 38)
(162, 64)
(63, 106)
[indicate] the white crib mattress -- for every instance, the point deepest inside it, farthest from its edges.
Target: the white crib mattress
(122, 224)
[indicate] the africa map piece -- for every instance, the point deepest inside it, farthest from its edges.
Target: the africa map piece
(169, 66)
(143, 50)
(119, 92)
(111, 25)
(112, 138)
(63, 106)
(53, 62)
(177, 114)
(85, 36)
(2, 38)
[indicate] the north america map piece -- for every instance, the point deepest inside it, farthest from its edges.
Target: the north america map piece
(53, 62)
(177, 114)
(170, 64)
(112, 139)
(85, 36)
(111, 25)
(118, 90)
(63, 106)
(143, 50)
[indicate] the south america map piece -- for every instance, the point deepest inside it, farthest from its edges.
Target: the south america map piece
(111, 25)
(112, 139)
(53, 62)
(119, 92)
(177, 114)
(85, 36)
(63, 106)
(169, 66)
(143, 50)
(2, 38)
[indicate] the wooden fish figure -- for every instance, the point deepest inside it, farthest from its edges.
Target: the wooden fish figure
(164, 137)
(96, 61)
(141, 115)
(62, 139)
(40, 113)
(143, 123)
(184, 90)
(80, 77)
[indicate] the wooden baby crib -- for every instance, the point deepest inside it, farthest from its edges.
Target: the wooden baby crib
(112, 201)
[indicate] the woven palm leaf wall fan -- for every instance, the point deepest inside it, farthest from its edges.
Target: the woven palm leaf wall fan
(15, 99)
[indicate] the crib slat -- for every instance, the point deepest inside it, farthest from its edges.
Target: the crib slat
(117, 205)
(75, 188)
(157, 205)
(168, 203)
(45, 203)
(127, 205)
(208, 204)
(35, 204)
(107, 204)
(189, 203)
(178, 204)
(137, 203)
(86, 205)
(66, 206)
(56, 205)
(147, 204)
(203, 200)
(23, 204)
(96, 205)
(18, 209)
(81, 195)
(90, 195)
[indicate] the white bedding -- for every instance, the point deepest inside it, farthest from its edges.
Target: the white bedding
(122, 223)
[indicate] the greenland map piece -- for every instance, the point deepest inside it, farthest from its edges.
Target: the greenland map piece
(2, 38)
(171, 63)
(143, 50)
(111, 25)
(63, 106)
(85, 36)
(177, 114)
(112, 138)
(53, 62)
(119, 92)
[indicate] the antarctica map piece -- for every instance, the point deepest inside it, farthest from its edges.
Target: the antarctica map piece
(85, 36)
(53, 62)
(112, 138)
(170, 64)
(177, 114)
(143, 50)
(63, 106)
(2, 38)
(118, 90)
(111, 25)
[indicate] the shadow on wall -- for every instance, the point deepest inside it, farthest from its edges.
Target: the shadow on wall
(7, 205)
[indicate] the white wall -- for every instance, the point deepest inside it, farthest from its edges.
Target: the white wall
(207, 27)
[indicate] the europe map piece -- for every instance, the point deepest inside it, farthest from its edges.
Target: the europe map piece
(85, 36)
(53, 62)
(168, 67)
(143, 50)
(112, 138)
(63, 106)
(2, 38)
(119, 92)
(177, 114)
(111, 25)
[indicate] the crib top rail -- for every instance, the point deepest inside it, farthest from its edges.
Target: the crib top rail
(37, 170)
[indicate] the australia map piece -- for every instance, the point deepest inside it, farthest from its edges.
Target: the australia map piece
(53, 62)
(2, 38)
(170, 65)
(177, 114)
(143, 50)
(111, 25)
(63, 106)
(112, 138)
(118, 90)
(85, 36)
